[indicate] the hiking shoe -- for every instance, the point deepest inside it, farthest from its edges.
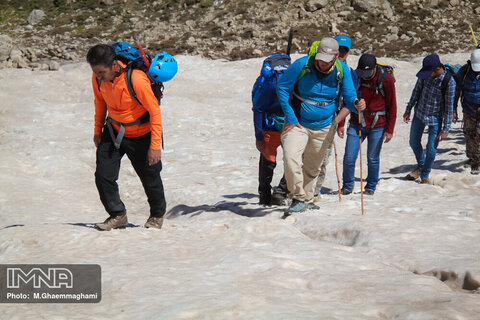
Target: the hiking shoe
(311, 206)
(296, 206)
(426, 181)
(264, 198)
(414, 175)
(345, 191)
(474, 171)
(154, 222)
(278, 199)
(368, 192)
(317, 198)
(113, 223)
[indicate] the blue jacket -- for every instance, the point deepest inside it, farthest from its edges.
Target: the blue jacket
(266, 106)
(470, 88)
(316, 87)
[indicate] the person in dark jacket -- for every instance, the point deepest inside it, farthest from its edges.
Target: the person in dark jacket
(268, 121)
(433, 109)
(468, 91)
(377, 122)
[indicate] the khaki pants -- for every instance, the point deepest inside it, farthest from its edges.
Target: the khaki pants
(302, 157)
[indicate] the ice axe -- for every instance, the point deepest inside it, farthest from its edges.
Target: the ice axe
(144, 56)
(336, 169)
(473, 34)
(290, 38)
(360, 151)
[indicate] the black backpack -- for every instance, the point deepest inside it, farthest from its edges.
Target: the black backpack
(452, 71)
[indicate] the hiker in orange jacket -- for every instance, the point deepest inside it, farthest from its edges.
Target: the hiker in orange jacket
(130, 128)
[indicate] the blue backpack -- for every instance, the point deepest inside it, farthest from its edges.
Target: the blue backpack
(132, 58)
(272, 68)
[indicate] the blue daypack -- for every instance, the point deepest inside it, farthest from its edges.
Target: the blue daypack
(131, 56)
(272, 68)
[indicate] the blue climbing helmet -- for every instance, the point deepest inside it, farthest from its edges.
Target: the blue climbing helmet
(163, 67)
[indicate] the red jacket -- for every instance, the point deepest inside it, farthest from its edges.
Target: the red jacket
(376, 102)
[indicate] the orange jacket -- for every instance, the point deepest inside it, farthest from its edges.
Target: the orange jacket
(123, 108)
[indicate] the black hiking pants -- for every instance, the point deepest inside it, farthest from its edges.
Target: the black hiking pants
(108, 168)
(265, 177)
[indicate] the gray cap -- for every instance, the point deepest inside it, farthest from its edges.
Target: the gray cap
(327, 49)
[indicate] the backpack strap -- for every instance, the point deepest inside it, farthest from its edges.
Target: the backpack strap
(464, 77)
(446, 80)
(307, 68)
(381, 81)
(315, 103)
(375, 120)
(128, 80)
(338, 65)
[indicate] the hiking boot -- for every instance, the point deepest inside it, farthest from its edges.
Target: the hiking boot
(426, 181)
(474, 170)
(278, 199)
(368, 192)
(113, 223)
(154, 222)
(345, 191)
(414, 175)
(317, 198)
(311, 206)
(264, 198)
(296, 206)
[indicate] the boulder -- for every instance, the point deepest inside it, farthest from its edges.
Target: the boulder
(53, 65)
(314, 5)
(36, 16)
(382, 6)
(17, 59)
(6, 46)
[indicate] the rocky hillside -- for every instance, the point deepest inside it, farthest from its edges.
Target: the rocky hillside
(43, 33)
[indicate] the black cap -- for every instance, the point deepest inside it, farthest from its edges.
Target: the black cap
(366, 64)
(429, 64)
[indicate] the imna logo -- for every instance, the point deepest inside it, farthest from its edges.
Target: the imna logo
(52, 278)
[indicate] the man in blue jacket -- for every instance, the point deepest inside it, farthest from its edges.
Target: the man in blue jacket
(469, 93)
(307, 93)
(344, 46)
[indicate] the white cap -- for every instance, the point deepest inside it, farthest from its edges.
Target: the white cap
(475, 60)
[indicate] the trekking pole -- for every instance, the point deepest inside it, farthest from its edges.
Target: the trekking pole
(144, 56)
(336, 169)
(473, 34)
(290, 38)
(361, 164)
